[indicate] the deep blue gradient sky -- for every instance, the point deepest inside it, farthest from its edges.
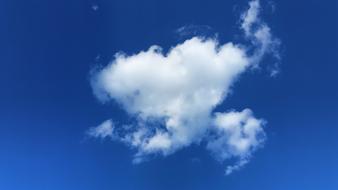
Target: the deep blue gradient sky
(47, 49)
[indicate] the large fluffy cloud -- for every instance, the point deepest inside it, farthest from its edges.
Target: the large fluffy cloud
(172, 95)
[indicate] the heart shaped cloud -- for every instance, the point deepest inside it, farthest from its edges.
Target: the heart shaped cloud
(172, 95)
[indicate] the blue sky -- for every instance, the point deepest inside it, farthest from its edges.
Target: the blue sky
(48, 50)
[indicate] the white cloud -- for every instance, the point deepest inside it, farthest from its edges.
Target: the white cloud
(260, 35)
(104, 130)
(250, 17)
(236, 134)
(172, 95)
(95, 7)
(237, 166)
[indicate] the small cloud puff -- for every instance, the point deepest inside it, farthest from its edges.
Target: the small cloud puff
(104, 130)
(95, 7)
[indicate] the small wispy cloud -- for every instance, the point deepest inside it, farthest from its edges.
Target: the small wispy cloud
(194, 30)
(95, 7)
(104, 130)
(259, 33)
(172, 95)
